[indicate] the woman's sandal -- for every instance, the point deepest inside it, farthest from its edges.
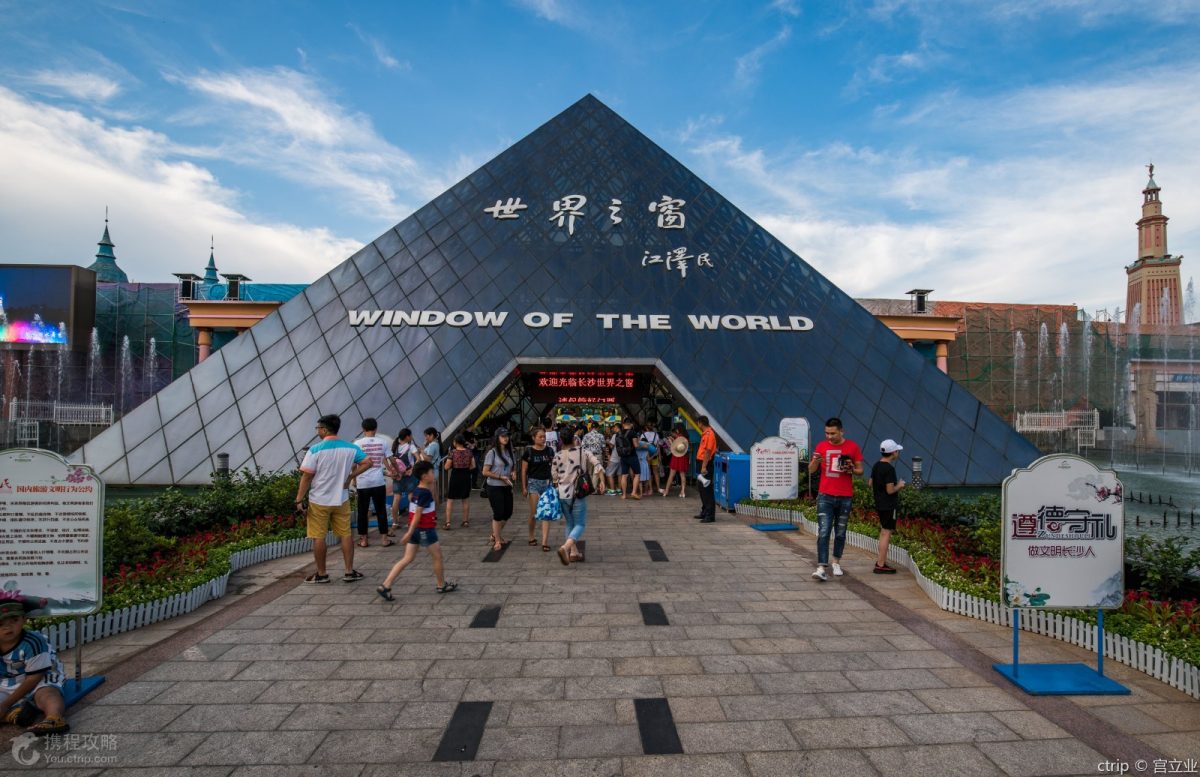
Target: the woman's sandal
(385, 592)
(362, 542)
(446, 588)
(448, 527)
(533, 542)
(387, 543)
(466, 524)
(545, 548)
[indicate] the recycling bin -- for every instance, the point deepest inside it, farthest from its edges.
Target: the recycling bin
(731, 479)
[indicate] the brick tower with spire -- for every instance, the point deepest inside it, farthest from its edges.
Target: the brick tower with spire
(1153, 279)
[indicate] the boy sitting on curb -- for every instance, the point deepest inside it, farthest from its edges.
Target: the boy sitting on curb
(31, 685)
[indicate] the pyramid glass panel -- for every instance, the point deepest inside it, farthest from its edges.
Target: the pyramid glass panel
(595, 247)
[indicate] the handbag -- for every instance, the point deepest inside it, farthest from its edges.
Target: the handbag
(549, 508)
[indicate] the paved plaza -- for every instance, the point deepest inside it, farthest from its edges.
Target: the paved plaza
(764, 671)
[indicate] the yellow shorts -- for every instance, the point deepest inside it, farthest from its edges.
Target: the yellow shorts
(322, 518)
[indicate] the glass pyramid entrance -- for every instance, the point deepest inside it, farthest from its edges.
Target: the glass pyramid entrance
(584, 243)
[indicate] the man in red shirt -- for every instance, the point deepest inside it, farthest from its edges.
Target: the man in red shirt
(704, 457)
(839, 461)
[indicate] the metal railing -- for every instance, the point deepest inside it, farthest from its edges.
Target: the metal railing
(1058, 421)
(63, 413)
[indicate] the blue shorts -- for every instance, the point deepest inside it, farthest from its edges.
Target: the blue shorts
(537, 486)
(423, 537)
(629, 464)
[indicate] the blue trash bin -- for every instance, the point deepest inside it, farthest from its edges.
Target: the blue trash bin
(731, 481)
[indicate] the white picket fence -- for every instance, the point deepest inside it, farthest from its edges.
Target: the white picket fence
(62, 635)
(1145, 658)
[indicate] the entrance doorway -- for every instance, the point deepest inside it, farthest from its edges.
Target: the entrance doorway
(533, 391)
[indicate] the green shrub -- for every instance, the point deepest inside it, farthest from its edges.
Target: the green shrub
(1163, 568)
(127, 537)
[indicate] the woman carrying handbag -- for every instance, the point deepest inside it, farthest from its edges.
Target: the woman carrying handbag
(571, 465)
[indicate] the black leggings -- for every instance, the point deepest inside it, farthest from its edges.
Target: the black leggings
(501, 498)
(378, 495)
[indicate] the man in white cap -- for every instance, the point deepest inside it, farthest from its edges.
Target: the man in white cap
(886, 487)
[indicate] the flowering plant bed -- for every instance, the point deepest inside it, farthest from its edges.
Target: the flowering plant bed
(965, 560)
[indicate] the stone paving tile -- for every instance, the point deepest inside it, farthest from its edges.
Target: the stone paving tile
(851, 704)
(288, 670)
(598, 741)
(735, 737)
(522, 650)
(200, 652)
(1177, 716)
(335, 636)
(307, 691)
(665, 646)
(614, 687)
(195, 670)
(159, 749)
(720, 765)
(606, 649)
(378, 747)
(1043, 757)
(948, 727)
(249, 636)
(231, 717)
(1131, 720)
(223, 692)
(567, 667)
(968, 699)
(659, 665)
(570, 634)
(812, 732)
(696, 709)
(114, 719)
(926, 760)
(515, 689)
(803, 682)
(959, 677)
(302, 770)
(824, 662)
(775, 706)
(738, 664)
(414, 690)
(583, 767)
(508, 743)
(466, 668)
(577, 712)
(812, 763)
(370, 670)
(893, 679)
(236, 748)
(277, 652)
(709, 685)
(335, 717)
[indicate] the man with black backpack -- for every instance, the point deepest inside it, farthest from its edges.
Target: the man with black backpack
(626, 450)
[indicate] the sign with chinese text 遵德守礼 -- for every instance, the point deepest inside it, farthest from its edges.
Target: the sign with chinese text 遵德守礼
(1063, 541)
(774, 469)
(797, 431)
(51, 531)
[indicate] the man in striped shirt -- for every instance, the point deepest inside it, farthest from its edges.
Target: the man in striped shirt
(31, 684)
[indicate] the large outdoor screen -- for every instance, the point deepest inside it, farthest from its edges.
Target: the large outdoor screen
(45, 304)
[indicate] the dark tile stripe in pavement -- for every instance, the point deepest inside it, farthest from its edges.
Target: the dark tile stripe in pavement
(657, 727)
(764, 672)
(464, 732)
(653, 614)
(656, 551)
(486, 618)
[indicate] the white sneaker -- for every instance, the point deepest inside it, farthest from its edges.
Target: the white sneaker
(820, 574)
(837, 569)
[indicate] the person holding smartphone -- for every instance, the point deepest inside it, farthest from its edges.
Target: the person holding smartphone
(839, 461)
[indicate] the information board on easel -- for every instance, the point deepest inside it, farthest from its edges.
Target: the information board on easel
(1063, 547)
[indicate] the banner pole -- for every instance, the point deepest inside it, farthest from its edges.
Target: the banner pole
(78, 651)
(1100, 642)
(1016, 619)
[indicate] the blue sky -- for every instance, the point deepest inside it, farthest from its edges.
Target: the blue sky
(990, 151)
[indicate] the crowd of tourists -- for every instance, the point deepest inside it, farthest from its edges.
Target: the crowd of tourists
(555, 474)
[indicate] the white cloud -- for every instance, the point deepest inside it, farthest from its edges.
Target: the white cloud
(81, 85)
(279, 120)
(62, 168)
(551, 10)
(748, 66)
(382, 55)
(1039, 207)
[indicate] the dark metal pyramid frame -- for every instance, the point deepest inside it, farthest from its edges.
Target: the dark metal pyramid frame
(258, 397)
